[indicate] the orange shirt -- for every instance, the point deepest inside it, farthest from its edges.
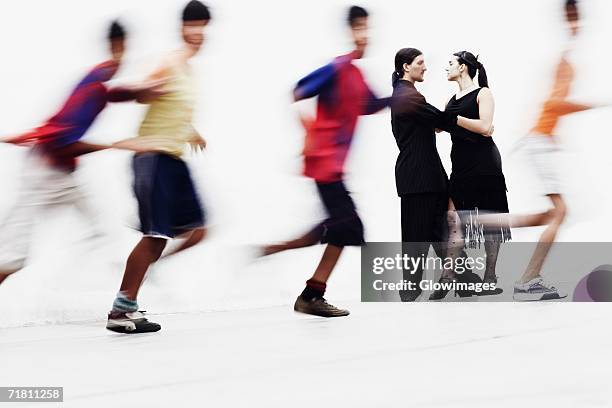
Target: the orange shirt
(551, 109)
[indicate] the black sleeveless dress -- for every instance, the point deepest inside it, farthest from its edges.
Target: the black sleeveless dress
(477, 183)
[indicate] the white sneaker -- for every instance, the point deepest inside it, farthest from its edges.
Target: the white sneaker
(536, 289)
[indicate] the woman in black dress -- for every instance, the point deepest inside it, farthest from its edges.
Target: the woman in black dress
(477, 183)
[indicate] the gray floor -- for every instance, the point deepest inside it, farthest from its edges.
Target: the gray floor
(419, 355)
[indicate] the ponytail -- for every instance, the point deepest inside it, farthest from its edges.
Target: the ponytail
(483, 82)
(403, 56)
(395, 77)
(474, 66)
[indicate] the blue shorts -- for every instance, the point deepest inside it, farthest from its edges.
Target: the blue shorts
(168, 204)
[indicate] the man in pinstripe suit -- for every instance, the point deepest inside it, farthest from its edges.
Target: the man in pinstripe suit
(421, 180)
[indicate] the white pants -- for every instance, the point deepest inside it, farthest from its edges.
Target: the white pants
(42, 187)
(544, 154)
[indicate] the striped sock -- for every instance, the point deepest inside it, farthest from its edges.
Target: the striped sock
(123, 304)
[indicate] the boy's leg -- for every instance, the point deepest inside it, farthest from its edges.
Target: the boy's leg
(125, 317)
(190, 239)
(84, 206)
(145, 253)
(38, 190)
(328, 262)
(310, 238)
(342, 228)
(153, 199)
(546, 239)
(532, 286)
(16, 237)
(3, 276)
(311, 301)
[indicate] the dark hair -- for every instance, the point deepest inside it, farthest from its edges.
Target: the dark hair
(116, 31)
(571, 10)
(473, 66)
(354, 13)
(403, 56)
(195, 11)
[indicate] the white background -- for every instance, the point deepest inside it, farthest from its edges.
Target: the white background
(250, 174)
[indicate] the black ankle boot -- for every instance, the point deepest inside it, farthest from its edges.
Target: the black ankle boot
(467, 277)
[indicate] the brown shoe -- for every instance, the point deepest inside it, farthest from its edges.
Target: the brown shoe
(318, 307)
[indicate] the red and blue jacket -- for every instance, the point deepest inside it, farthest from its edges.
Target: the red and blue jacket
(343, 96)
(76, 116)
